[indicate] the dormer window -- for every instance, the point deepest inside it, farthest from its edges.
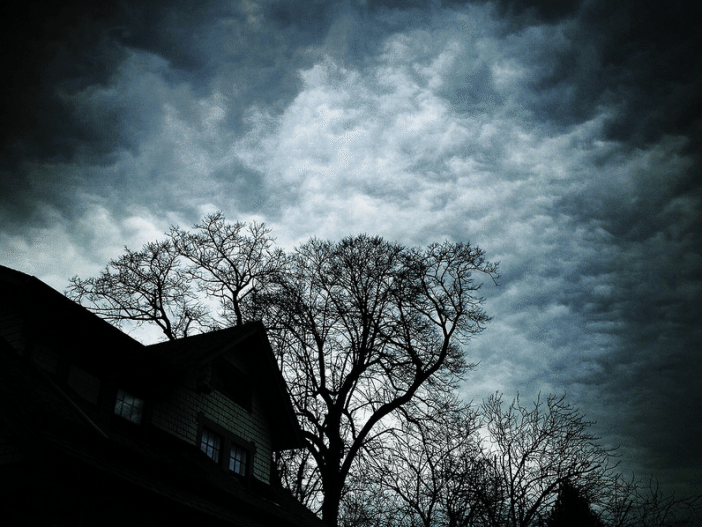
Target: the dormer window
(225, 448)
(129, 406)
(211, 444)
(237, 460)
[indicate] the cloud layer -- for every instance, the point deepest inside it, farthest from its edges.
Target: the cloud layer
(562, 138)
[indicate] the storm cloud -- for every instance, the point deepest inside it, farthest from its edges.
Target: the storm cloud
(561, 137)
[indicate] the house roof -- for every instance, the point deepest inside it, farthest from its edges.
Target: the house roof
(91, 341)
(50, 424)
(52, 311)
(48, 317)
(250, 342)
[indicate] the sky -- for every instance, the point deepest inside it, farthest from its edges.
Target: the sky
(562, 137)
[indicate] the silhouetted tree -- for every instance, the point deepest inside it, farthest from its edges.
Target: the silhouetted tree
(508, 466)
(532, 451)
(169, 283)
(572, 509)
(232, 262)
(363, 328)
(146, 286)
(641, 503)
(425, 473)
(501, 468)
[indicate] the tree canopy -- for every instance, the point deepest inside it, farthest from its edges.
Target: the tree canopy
(170, 283)
(371, 338)
(365, 327)
(362, 327)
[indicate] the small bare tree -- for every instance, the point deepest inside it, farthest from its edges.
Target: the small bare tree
(427, 471)
(533, 450)
(146, 286)
(641, 503)
(166, 283)
(232, 262)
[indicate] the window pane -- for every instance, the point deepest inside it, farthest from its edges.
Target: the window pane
(211, 444)
(237, 460)
(129, 406)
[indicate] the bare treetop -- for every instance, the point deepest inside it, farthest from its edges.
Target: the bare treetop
(167, 283)
(229, 261)
(146, 286)
(364, 326)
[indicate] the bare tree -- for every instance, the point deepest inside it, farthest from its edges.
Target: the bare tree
(511, 465)
(146, 286)
(364, 327)
(533, 450)
(501, 468)
(166, 283)
(232, 262)
(297, 471)
(641, 503)
(427, 472)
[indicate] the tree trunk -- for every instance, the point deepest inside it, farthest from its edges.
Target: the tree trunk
(332, 500)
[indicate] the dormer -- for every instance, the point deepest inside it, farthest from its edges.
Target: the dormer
(183, 431)
(230, 400)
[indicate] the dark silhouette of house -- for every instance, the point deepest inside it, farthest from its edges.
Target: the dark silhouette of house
(99, 429)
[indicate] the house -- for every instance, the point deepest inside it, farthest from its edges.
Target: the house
(99, 429)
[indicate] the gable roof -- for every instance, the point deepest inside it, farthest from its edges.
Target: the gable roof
(250, 343)
(90, 340)
(50, 423)
(45, 316)
(52, 428)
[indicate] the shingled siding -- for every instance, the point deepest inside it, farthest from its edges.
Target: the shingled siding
(178, 415)
(10, 451)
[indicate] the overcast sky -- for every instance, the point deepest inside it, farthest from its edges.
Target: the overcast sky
(561, 137)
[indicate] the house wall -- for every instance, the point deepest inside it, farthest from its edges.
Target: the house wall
(178, 415)
(11, 324)
(10, 451)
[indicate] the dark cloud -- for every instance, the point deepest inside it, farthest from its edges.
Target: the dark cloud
(89, 83)
(640, 59)
(643, 59)
(49, 49)
(562, 137)
(522, 13)
(309, 18)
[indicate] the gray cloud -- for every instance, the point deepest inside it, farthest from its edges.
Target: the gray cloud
(563, 138)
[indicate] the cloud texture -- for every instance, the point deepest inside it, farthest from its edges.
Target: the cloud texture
(563, 138)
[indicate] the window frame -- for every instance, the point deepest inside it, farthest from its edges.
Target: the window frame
(228, 439)
(233, 459)
(211, 445)
(121, 416)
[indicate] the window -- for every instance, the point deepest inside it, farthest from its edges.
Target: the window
(211, 444)
(129, 406)
(237, 460)
(226, 449)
